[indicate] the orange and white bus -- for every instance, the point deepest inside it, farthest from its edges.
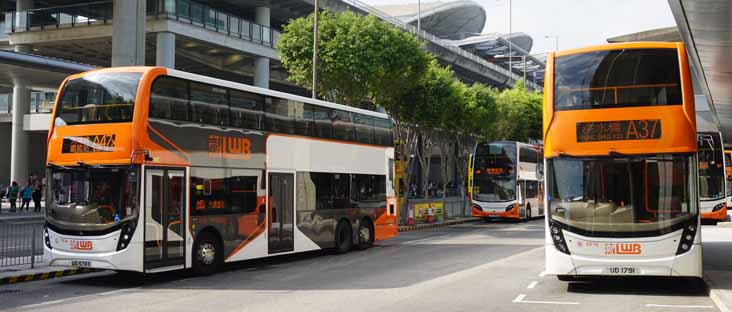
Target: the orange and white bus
(712, 180)
(507, 181)
(620, 145)
(152, 169)
(728, 178)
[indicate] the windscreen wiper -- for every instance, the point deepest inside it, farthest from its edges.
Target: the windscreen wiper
(52, 165)
(563, 154)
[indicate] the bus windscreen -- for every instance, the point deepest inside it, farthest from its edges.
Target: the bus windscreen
(98, 98)
(617, 78)
(494, 172)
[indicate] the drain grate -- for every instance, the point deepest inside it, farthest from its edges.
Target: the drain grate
(9, 291)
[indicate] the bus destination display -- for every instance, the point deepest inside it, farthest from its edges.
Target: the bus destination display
(619, 130)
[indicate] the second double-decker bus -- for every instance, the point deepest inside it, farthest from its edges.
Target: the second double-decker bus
(712, 180)
(728, 178)
(152, 169)
(507, 181)
(620, 146)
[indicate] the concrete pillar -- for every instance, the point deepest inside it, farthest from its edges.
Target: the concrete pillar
(21, 19)
(19, 138)
(261, 64)
(165, 50)
(128, 33)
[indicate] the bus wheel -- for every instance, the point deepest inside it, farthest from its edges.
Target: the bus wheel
(528, 212)
(207, 254)
(365, 234)
(343, 239)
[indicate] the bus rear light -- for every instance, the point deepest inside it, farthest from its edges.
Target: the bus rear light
(558, 237)
(687, 237)
(125, 236)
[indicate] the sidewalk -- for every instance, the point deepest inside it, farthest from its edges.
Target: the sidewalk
(422, 226)
(20, 216)
(23, 273)
(717, 250)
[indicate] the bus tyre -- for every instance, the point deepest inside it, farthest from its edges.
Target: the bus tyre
(365, 234)
(207, 254)
(343, 238)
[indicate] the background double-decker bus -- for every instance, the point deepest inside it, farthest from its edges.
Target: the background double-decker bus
(728, 177)
(620, 151)
(152, 169)
(712, 177)
(507, 180)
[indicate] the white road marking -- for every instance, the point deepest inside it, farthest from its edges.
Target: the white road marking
(532, 284)
(424, 239)
(542, 274)
(36, 305)
(520, 299)
(650, 305)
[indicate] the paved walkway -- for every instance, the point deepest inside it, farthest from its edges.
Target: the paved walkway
(717, 246)
(19, 216)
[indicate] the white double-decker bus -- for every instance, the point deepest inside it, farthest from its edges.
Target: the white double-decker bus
(712, 177)
(152, 169)
(507, 181)
(620, 148)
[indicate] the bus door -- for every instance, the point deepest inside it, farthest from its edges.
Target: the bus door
(164, 218)
(281, 194)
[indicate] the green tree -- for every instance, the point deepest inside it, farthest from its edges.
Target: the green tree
(519, 112)
(361, 58)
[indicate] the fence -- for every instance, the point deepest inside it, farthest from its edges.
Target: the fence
(454, 207)
(21, 244)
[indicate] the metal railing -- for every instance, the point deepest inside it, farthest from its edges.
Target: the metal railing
(441, 42)
(184, 11)
(196, 14)
(21, 244)
(41, 102)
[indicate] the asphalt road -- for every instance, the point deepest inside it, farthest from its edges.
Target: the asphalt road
(469, 267)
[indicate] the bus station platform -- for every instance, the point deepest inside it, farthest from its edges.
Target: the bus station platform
(717, 245)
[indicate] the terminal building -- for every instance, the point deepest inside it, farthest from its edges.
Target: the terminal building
(43, 41)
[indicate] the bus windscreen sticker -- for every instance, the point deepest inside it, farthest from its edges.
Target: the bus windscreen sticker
(619, 130)
(99, 143)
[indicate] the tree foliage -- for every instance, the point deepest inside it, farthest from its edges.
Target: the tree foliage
(361, 58)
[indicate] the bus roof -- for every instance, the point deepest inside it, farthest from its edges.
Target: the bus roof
(622, 45)
(233, 85)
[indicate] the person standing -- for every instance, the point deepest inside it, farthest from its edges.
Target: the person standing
(13, 196)
(37, 191)
(27, 196)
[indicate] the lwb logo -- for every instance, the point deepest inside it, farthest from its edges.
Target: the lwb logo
(622, 249)
(221, 146)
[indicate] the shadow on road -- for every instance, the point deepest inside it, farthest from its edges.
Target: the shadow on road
(646, 286)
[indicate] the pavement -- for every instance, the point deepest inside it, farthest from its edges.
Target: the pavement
(465, 267)
(717, 246)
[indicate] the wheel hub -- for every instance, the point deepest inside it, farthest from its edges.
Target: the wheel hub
(365, 234)
(207, 253)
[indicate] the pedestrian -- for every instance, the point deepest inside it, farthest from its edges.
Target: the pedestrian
(27, 194)
(13, 196)
(37, 191)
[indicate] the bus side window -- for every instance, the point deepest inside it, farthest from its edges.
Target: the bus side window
(246, 109)
(209, 104)
(169, 99)
(322, 122)
(303, 118)
(342, 125)
(278, 117)
(364, 128)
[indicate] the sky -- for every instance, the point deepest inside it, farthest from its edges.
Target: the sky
(577, 23)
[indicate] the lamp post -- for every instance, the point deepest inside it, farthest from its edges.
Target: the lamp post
(419, 17)
(556, 41)
(510, 40)
(315, 51)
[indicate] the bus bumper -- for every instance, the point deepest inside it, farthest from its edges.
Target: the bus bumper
(719, 215)
(477, 212)
(97, 252)
(687, 264)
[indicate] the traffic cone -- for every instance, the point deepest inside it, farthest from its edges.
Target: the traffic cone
(410, 216)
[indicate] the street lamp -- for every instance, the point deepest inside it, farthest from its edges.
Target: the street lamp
(556, 41)
(315, 51)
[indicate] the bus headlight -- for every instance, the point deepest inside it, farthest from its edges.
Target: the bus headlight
(47, 238)
(719, 207)
(687, 236)
(510, 207)
(125, 236)
(476, 207)
(558, 237)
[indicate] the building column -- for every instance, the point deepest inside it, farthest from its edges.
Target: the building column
(19, 138)
(128, 33)
(261, 64)
(21, 20)
(165, 50)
